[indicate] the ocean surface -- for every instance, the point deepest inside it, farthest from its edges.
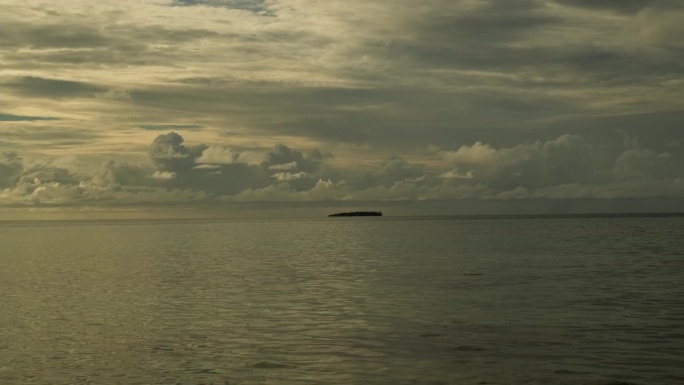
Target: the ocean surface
(344, 301)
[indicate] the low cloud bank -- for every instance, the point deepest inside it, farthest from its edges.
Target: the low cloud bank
(568, 167)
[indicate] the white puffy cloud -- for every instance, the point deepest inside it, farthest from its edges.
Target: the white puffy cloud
(217, 155)
(163, 175)
(476, 154)
(285, 166)
(288, 176)
(568, 158)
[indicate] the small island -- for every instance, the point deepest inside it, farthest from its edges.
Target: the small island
(358, 214)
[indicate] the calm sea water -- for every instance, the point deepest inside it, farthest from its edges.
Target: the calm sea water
(343, 301)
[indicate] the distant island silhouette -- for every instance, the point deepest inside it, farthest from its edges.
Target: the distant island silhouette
(358, 214)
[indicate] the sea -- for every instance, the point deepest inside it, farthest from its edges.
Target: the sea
(384, 300)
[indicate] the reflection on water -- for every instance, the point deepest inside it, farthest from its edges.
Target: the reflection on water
(352, 301)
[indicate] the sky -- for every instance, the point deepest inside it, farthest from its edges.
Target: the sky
(227, 107)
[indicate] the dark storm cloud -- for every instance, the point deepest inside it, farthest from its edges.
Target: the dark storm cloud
(52, 88)
(22, 118)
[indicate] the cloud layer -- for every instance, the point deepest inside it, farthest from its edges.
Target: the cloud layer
(567, 167)
(294, 100)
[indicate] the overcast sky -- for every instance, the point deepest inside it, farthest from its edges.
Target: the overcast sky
(123, 105)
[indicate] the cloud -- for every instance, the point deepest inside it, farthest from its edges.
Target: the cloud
(65, 39)
(207, 167)
(164, 175)
(218, 155)
(212, 169)
(52, 88)
(223, 171)
(523, 97)
(39, 36)
(46, 136)
(113, 184)
(658, 27)
(566, 159)
(43, 183)
(396, 169)
(289, 176)
(456, 174)
(285, 166)
(645, 164)
(20, 118)
(622, 6)
(11, 166)
(567, 167)
(166, 127)
(256, 6)
(282, 155)
(169, 153)
(115, 175)
(476, 154)
(490, 20)
(115, 94)
(442, 71)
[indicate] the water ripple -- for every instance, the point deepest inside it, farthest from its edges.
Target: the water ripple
(568, 301)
